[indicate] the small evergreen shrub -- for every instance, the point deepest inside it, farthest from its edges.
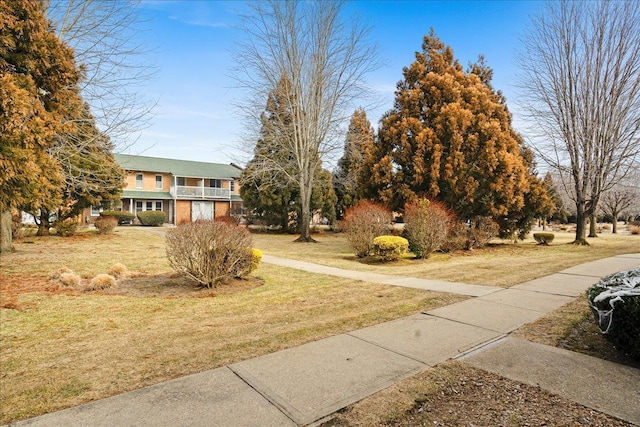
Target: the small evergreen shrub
(106, 224)
(390, 248)
(615, 303)
(256, 258)
(65, 228)
(151, 218)
(119, 271)
(102, 281)
(210, 252)
(362, 223)
(426, 226)
(543, 238)
(123, 217)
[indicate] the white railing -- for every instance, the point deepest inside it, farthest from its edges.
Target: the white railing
(186, 192)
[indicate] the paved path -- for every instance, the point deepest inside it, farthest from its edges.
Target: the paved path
(304, 385)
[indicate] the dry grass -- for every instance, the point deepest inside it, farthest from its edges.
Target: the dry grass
(64, 347)
(500, 264)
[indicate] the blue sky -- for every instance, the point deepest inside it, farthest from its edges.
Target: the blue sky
(193, 45)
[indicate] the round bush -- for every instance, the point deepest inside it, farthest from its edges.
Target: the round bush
(390, 248)
(119, 271)
(70, 280)
(615, 303)
(102, 281)
(256, 258)
(362, 223)
(543, 238)
(105, 225)
(426, 226)
(151, 218)
(210, 252)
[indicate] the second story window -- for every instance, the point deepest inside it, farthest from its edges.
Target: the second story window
(158, 182)
(215, 183)
(139, 177)
(181, 181)
(232, 186)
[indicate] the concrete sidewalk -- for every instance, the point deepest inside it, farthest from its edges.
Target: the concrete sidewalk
(304, 385)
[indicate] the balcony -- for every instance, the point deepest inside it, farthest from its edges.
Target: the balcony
(186, 192)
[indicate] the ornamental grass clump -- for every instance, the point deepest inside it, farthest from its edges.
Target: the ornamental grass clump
(211, 253)
(426, 226)
(101, 282)
(390, 248)
(119, 271)
(362, 223)
(615, 303)
(65, 277)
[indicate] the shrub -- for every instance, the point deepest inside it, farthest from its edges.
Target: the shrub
(55, 275)
(106, 224)
(209, 252)
(456, 237)
(363, 222)
(151, 218)
(390, 248)
(102, 281)
(481, 230)
(119, 271)
(65, 228)
(615, 303)
(426, 226)
(634, 230)
(122, 216)
(256, 258)
(543, 238)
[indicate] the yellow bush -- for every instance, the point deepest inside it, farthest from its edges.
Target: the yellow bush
(256, 258)
(390, 248)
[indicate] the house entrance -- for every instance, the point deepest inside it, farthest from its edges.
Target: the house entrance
(201, 211)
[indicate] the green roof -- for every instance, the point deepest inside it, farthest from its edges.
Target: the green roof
(141, 194)
(184, 168)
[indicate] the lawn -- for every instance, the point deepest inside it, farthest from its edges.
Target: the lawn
(502, 263)
(63, 347)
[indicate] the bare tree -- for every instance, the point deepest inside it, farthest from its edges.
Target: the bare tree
(620, 198)
(105, 38)
(324, 59)
(581, 80)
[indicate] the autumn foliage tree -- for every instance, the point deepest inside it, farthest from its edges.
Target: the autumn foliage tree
(38, 78)
(449, 138)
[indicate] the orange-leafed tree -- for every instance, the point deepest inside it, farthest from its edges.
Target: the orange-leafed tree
(449, 138)
(37, 72)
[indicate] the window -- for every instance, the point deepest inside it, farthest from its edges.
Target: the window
(158, 206)
(95, 210)
(148, 205)
(181, 181)
(232, 186)
(215, 183)
(158, 182)
(138, 206)
(139, 177)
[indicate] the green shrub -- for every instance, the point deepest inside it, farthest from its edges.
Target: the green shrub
(65, 228)
(362, 223)
(615, 303)
(390, 248)
(209, 252)
(122, 216)
(543, 238)
(151, 218)
(426, 226)
(105, 225)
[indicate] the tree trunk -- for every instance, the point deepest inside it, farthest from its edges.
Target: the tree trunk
(43, 223)
(305, 208)
(581, 224)
(6, 238)
(592, 225)
(614, 227)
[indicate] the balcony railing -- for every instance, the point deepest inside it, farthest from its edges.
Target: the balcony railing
(187, 192)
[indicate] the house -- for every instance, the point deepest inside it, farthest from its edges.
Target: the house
(184, 190)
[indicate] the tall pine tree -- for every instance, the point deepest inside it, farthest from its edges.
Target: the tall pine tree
(449, 137)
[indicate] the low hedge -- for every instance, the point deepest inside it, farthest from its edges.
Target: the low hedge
(544, 238)
(122, 216)
(151, 218)
(615, 303)
(390, 248)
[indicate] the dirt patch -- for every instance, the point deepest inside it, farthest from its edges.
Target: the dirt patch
(454, 394)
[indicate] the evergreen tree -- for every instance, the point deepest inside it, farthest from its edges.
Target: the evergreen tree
(449, 138)
(345, 179)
